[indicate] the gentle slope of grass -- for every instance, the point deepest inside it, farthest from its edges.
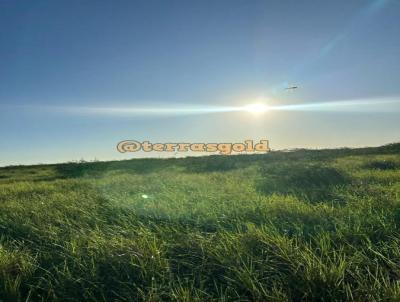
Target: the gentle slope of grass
(285, 226)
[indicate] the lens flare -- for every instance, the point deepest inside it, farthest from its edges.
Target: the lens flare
(372, 105)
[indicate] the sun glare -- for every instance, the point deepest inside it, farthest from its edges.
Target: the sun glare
(256, 108)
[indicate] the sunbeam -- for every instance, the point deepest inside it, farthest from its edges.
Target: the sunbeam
(355, 105)
(386, 104)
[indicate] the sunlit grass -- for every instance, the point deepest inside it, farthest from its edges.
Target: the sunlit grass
(305, 225)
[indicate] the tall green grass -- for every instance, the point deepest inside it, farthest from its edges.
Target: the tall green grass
(285, 226)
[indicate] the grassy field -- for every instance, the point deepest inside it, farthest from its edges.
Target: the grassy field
(284, 226)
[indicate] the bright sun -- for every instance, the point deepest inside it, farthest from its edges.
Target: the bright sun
(256, 108)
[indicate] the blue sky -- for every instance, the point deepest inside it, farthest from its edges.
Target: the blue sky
(59, 58)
